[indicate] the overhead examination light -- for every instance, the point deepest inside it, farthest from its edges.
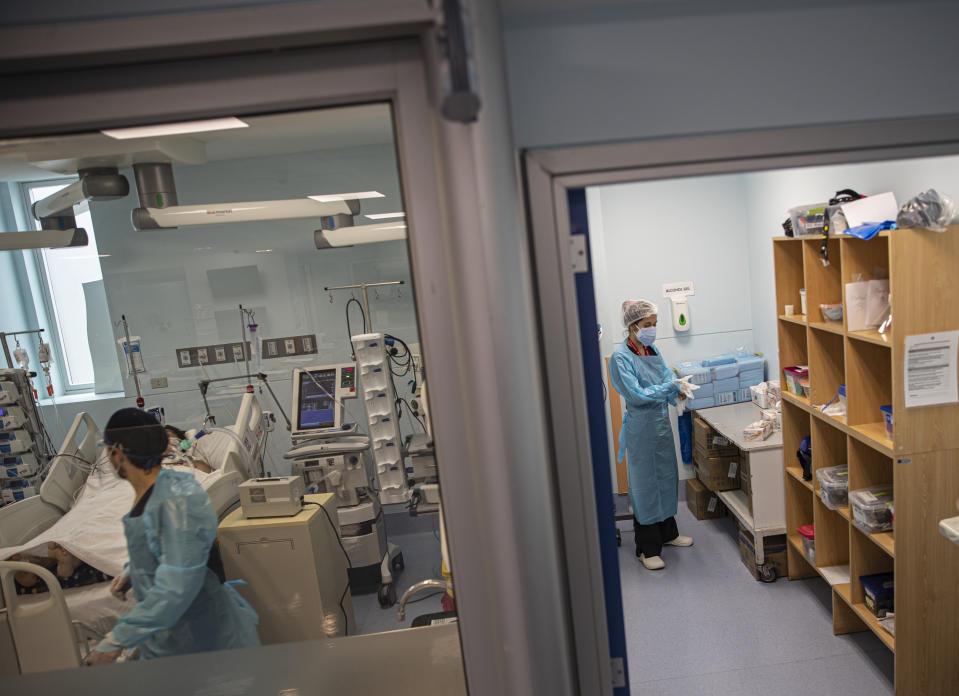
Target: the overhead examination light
(350, 235)
(43, 239)
(181, 128)
(102, 184)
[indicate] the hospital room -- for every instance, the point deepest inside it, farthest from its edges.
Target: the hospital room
(231, 300)
(751, 403)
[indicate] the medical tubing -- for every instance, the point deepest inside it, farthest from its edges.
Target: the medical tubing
(249, 458)
(336, 533)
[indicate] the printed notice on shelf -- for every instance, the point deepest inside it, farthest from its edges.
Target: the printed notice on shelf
(930, 369)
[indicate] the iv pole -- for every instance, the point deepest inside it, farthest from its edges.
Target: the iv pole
(133, 367)
(6, 349)
(366, 300)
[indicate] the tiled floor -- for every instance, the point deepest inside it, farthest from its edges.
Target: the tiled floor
(705, 626)
(421, 554)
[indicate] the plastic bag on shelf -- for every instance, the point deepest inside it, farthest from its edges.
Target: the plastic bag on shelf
(930, 209)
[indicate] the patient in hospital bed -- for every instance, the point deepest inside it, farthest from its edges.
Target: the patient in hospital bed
(71, 570)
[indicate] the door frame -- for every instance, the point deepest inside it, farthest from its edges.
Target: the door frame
(549, 177)
(512, 596)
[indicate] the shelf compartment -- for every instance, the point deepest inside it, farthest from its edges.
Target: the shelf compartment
(826, 366)
(865, 558)
(844, 619)
(795, 429)
(872, 336)
(794, 318)
(788, 262)
(799, 512)
(796, 473)
(831, 327)
(793, 349)
(867, 467)
(823, 283)
(867, 618)
(829, 448)
(832, 536)
(868, 384)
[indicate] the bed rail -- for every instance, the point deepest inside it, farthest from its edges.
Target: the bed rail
(72, 463)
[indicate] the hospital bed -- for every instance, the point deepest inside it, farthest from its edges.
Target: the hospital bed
(49, 631)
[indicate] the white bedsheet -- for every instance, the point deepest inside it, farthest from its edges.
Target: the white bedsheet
(92, 530)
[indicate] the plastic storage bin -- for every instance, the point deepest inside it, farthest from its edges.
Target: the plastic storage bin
(831, 312)
(833, 486)
(887, 416)
(879, 591)
(808, 534)
(872, 508)
(794, 376)
(808, 219)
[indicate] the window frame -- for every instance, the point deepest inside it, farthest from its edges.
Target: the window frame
(42, 294)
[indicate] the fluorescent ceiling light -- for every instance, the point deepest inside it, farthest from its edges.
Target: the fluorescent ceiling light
(161, 129)
(330, 197)
(264, 251)
(384, 216)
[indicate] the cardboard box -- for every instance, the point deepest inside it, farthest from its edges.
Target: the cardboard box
(717, 473)
(774, 548)
(702, 503)
(706, 438)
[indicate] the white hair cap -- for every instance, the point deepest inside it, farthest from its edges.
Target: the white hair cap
(637, 310)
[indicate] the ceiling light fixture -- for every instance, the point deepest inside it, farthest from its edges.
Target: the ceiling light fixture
(384, 216)
(43, 239)
(331, 197)
(264, 251)
(359, 234)
(181, 128)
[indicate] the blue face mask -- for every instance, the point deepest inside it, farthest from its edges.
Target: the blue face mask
(647, 335)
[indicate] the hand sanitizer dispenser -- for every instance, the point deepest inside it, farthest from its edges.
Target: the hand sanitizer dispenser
(678, 294)
(680, 313)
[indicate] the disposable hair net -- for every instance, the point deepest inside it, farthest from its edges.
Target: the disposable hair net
(140, 435)
(637, 310)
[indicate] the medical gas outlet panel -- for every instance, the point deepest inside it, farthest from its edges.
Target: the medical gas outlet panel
(23, 454)
(379, 395)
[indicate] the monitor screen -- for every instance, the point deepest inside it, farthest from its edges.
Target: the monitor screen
(316, 407)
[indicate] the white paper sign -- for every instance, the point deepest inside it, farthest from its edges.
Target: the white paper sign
(678, 289)
(930, 369)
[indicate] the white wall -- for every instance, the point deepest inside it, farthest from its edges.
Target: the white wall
(659, 68)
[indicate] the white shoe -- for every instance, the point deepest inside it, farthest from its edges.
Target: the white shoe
(653, 562)
(680, 541)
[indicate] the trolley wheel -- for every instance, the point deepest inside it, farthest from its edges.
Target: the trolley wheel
(619, 538)
(386, 595)
(398, 564)
(767, 572)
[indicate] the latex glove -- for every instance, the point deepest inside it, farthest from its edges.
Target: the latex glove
(680, 406)
(120, 585)
(107, 651)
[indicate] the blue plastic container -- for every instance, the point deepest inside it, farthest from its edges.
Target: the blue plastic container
(726, 385)
(879, 591)
(716, 360)
(721, 372)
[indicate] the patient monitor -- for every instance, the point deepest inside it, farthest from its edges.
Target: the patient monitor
(318, 396)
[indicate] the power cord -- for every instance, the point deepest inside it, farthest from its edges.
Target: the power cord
(336, 533)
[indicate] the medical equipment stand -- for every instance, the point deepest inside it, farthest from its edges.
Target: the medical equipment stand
(366, 300)
(6, 348)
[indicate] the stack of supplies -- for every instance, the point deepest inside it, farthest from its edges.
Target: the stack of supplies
(723, 379)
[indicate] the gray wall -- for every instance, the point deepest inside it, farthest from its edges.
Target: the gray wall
(618, 71)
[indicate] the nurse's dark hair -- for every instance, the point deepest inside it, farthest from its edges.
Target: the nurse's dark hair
(175, 431)
(139, 435)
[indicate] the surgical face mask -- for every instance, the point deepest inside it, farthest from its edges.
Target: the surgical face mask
(647, 335)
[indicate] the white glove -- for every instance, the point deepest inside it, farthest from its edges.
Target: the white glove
(686, 387)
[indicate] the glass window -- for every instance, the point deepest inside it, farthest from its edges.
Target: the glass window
(65, 271)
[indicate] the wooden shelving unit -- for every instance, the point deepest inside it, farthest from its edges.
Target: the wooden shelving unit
(921, 460)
